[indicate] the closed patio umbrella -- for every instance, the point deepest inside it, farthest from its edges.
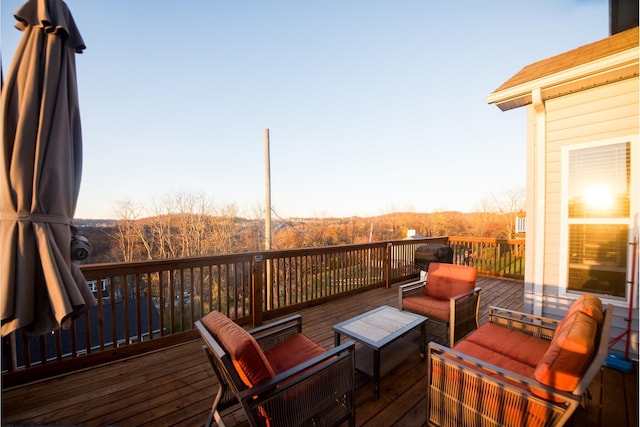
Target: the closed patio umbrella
(41, 288)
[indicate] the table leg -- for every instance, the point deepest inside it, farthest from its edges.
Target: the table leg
(336, 339)
(376, 374)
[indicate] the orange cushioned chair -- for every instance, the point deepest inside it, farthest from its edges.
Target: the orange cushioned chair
(449, 298)
(278, 375)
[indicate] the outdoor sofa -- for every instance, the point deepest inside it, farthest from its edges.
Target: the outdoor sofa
(519, 369)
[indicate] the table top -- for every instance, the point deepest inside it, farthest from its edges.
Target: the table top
(380, 326)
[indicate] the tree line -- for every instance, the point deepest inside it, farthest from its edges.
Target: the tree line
(189, 225)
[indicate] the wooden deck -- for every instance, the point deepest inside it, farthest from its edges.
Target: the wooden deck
(175, 386)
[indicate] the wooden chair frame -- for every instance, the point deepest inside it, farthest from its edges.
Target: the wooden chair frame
(320, 391)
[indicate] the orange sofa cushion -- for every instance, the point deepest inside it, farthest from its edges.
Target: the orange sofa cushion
(513, 344)
(569, 353)
(250, 362)
(487, 355)
(445, 281)
(292, 352)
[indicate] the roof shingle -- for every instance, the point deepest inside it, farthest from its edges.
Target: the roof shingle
(573, 58)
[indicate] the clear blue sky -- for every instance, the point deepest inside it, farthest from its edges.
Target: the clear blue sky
(373, 106)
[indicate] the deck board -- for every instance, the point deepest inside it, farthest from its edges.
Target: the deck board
(175, 386)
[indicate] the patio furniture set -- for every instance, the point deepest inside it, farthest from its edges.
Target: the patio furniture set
(517, 369)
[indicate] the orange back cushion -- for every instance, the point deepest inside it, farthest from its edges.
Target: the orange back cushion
(250, 362)
(448, 280)
(569, 353)
(589, 305)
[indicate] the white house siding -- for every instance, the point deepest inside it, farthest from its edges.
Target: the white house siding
(595, 114)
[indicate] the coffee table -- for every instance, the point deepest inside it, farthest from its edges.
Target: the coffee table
(377, 330)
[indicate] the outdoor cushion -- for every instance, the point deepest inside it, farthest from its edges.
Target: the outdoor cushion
(487, 355)
(433, 308)
(511, 343)
(569, 353)
(445, 281)
(292, 352)
(250, 362)
(589, 305)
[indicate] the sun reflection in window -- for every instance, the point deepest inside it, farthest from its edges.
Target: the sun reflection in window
(598, 197)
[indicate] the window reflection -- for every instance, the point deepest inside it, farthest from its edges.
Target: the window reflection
(599, 209)
(598, 258)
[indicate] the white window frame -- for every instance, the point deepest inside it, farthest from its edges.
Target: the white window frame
(631, 221)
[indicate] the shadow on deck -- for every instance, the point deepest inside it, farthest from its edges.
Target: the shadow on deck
(175, 386)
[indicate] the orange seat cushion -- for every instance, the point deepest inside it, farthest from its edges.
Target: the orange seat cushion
(521, 347)
(487, 355)
(250, 362)
(445, 281)
(292, 352)
(433, 308)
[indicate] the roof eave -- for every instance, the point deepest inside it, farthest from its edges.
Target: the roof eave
(619, 66)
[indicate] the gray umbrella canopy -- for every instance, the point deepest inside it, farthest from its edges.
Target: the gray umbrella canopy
(41, 288)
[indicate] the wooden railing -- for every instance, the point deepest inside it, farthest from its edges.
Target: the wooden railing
(491, 257)
(152, 304)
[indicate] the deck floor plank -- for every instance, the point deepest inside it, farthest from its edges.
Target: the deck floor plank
(175, 386)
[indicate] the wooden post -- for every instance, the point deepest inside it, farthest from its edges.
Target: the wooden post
(257, 281)
(267, 198)
(387, 265)
(267, 213)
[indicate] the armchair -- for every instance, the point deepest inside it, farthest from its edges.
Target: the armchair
(278, 375)
(448, 297)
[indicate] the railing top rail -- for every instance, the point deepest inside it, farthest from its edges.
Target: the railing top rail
(162, 264)
(486, 240)
(196, 261)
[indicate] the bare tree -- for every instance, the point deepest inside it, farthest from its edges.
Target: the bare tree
(500, 210)
(225, 230)
(180, 225)
(127, 234)
(191, 218)
(162, 227)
